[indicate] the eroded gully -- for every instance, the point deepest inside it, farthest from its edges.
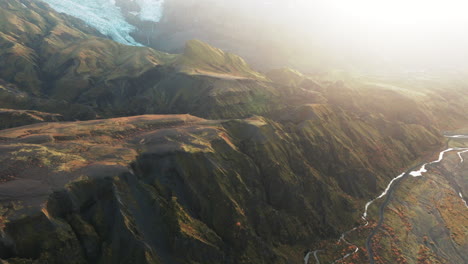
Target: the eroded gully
(387, 193)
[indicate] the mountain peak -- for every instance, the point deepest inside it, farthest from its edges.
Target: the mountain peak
(200, 58)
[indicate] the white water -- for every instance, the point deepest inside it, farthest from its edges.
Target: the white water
(107, 18)
(461, 161)
(364, 216)
(460, 155)
(347, 255)
(463, 199)
(307, 257)
(342, 238)
(423, 169)
(316, 257)
(457, 136)
(416, 173)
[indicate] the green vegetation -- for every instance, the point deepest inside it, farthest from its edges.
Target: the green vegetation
(286, 162)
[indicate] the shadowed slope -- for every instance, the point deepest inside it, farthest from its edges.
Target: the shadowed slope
(243, 191)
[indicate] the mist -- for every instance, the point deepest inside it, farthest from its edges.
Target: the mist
(363, 34)
(308, 35)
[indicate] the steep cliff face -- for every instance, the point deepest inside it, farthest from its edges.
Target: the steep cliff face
(237, 191)
(55, 57)
(248, 28)
(425, 221)
(289, 162)
(51, 60)
(15, 118)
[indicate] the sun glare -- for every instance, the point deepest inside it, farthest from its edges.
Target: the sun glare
(395, 14)
(426, 31)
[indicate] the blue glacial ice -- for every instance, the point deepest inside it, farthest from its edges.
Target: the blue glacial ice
(107, 18)
(151, 10)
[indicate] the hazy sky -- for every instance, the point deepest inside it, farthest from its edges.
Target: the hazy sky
(410, 33)
(422, 32)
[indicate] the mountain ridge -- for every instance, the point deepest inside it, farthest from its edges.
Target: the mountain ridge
(194, 152)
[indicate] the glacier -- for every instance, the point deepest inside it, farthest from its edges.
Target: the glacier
(107, 18)
(151, 10)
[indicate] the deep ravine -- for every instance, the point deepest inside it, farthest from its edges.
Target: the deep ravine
(414, 172)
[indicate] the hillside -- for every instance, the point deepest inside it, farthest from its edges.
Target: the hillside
(122, 154)
(100, 182)
(56, 57)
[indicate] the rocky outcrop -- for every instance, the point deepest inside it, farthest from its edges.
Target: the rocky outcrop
(288, 162)
(57, 64)
(51, 56)
(236, 191)
(14, 118)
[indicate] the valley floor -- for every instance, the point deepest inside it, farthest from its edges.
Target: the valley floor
(421, 219)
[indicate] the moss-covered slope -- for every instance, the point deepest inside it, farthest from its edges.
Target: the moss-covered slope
(290, 162)
(53, 56)
(241, 191)
(56, 60)
(14, 118)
